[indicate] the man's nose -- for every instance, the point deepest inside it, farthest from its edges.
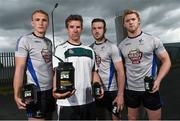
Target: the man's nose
(41, 22)
(75, 29)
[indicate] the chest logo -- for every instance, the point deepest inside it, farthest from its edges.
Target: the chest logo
(135, 56)
(102, 48)
(47, 56)
(98, 60)
(71, 51)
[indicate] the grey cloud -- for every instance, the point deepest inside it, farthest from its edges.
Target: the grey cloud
(159, 18)
(15, 15)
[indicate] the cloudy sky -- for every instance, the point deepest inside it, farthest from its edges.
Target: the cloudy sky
(158, 17)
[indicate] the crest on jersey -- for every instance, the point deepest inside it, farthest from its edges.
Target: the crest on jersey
(71, 51)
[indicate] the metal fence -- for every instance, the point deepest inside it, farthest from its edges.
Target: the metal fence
(7, 68)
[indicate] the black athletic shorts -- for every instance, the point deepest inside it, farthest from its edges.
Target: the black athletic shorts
(81, 112)
(106, 101)
(45, 103)
(150, 101)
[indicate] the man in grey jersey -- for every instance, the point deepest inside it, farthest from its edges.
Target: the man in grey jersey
(139, 51)
(34, 52)
(108, 60)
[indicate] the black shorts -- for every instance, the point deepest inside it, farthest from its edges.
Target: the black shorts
(81, 112)
(150, 101)
(45, 104)
(106, 101)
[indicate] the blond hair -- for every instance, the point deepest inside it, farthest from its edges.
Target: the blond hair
(39, 11)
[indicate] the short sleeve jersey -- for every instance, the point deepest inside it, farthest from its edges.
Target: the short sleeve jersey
(83, 59)
(107, 54)
(38, 52)
(140, 59)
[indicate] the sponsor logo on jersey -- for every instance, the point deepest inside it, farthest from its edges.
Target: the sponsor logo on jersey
(127, 44)
(36, 41)
(46, 54)
(135, 56)
(98, 60)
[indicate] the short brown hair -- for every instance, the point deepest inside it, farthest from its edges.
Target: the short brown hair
(74, 17)
(40, 11)
(130, 11)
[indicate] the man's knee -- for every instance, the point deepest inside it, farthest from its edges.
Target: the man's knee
(133, 113)
(154, 114)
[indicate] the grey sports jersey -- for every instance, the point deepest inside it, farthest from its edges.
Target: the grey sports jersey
(139, 54)
(38, 52)
(107, 54)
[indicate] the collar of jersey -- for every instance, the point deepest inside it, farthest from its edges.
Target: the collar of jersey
(37, 36)
(101, 42)
(136, 36)
(74, 44)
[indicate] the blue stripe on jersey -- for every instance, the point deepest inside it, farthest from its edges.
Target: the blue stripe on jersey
(153, 71)
(32, 71)
(112, 70)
